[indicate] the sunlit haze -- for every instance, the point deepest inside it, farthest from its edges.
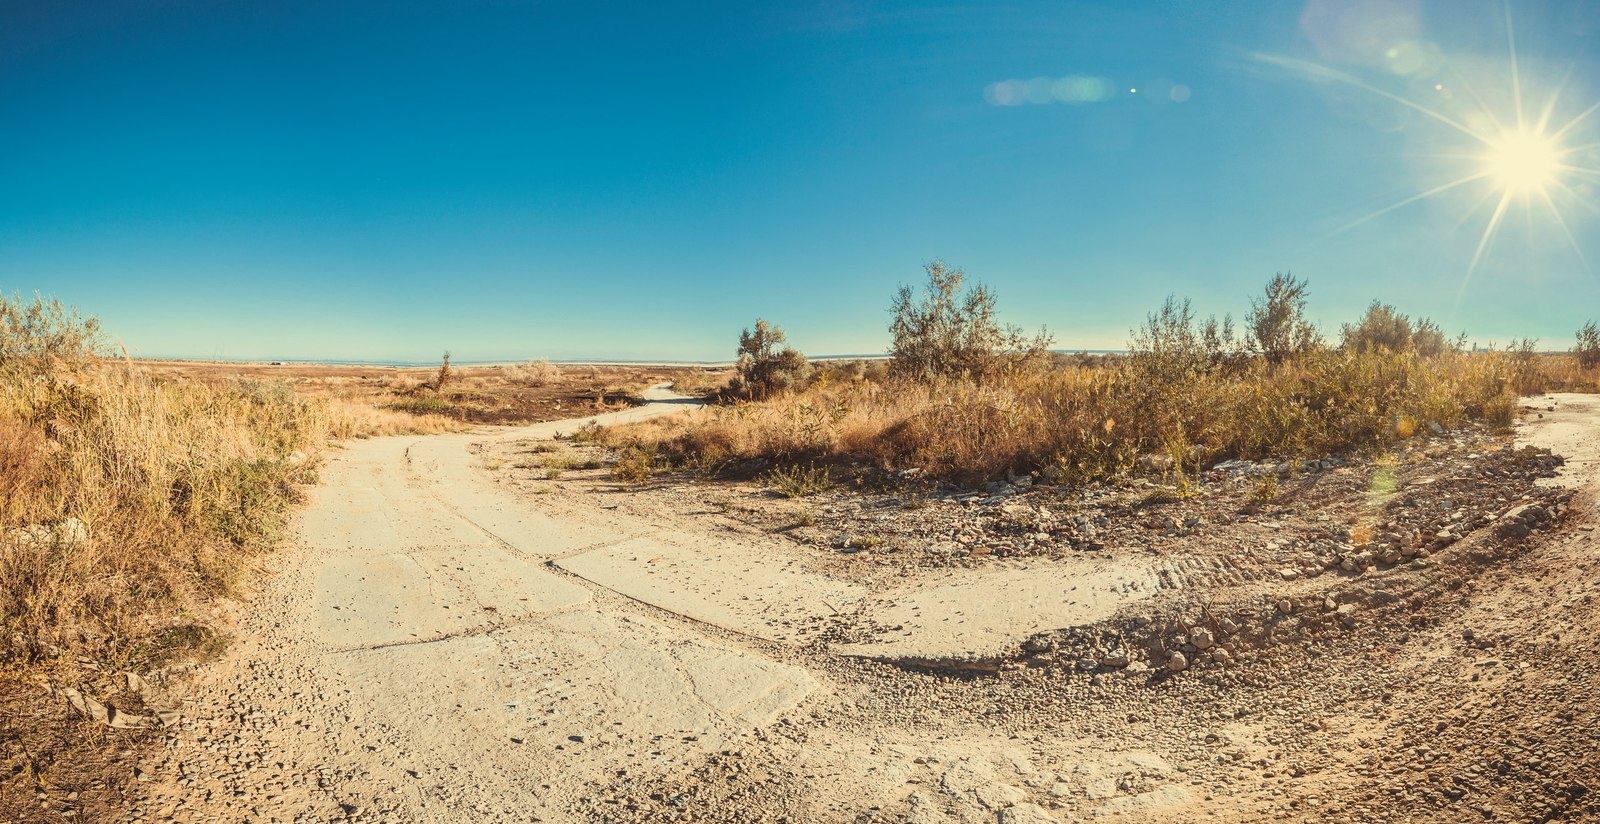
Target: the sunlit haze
(513, 180)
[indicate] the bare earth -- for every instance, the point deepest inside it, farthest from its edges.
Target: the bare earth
(444, 641)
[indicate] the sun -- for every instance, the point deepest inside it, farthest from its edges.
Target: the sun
(1520, 160)
(1523, 162)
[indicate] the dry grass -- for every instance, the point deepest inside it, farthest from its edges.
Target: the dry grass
(129, 500)
(1086, 422)
(525, 393)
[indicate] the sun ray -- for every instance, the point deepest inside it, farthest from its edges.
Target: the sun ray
(1521, 156)
(1566, 230)
(1550, 104)
(1516, 73)
(1494, 119)
(1489, 233)
(1578, 196)
(1437, 190)
(1562, 132)
(1316, 71)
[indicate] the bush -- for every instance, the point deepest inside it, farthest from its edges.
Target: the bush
(41, 335)
(1383, 328)
(1588, 348)
(1276, 325)
(950, 333)
(765, 370)
(533, 373)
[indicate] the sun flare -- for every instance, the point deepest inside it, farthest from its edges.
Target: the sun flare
(1524, 162)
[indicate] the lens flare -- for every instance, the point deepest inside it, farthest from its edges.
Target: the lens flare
(1521, 158)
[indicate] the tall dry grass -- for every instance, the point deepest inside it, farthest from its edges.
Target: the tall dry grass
(126, 500)
(1087, 422)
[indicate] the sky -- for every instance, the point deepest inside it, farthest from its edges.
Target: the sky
(510, 180)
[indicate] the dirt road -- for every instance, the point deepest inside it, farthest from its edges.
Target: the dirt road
(418, 660)
(441, 645)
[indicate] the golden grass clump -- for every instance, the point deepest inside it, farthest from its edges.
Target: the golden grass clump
(532, 373)
(1080, 423)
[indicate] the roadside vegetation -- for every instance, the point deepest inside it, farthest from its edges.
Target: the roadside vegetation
(965, 399)
(127, 500)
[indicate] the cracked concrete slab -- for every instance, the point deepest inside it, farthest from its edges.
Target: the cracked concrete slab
(756, 588)
(968, 617)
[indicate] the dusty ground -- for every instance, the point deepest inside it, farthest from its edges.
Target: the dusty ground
(461, 633)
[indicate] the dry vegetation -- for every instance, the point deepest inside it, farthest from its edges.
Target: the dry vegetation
(1189, 393)
(133, 494)
(128, 497)
(515, 394)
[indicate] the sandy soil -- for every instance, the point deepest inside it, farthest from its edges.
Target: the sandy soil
(452, 638)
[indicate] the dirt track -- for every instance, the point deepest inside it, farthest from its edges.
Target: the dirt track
(438, 648)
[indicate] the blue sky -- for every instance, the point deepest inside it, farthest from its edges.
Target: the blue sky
(508, 179)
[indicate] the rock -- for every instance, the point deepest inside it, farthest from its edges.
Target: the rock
(1176, 662)
(1288, 573)
(1155, 463)
(1026, 813)
(1381, 597)
(1286, 606)
(1041, 642)
(1515, 529)
(72, 532)
(1088, 664)
(1115, 658)
(1201, 638)
(1346, 613)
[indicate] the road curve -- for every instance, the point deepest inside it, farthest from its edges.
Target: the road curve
(417, 658)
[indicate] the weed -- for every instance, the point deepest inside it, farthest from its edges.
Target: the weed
(799, 482)
(1500, 411)
(635, 465)
(589, 432)
(1264, 490)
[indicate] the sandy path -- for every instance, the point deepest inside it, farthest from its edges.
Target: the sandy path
(418, 660)
(436, 647)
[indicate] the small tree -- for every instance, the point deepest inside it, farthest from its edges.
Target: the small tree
(444, 372)
(765, 369)
(1588, 348)
(949, 332)
(1276, 326)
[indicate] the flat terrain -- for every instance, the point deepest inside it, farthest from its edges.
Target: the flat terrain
(476, 627)
(511, 394)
